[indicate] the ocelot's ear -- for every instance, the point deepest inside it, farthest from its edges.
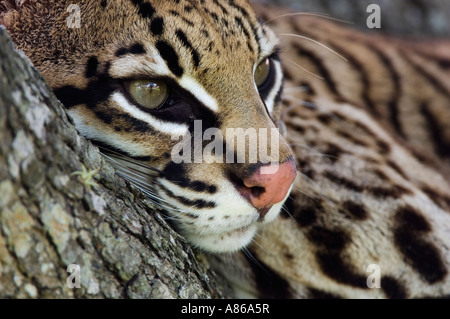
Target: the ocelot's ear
(9, 10)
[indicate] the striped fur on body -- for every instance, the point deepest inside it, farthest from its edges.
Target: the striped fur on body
(367, 120)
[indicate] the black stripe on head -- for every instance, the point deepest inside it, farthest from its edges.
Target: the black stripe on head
(240, 23)
(146, 9)
(176, 173)
(246, 16)
(224, 10)
(91, 67)
(187, 44)
(157, 26)
(96, 92)
(169, 54)
(239, 8)
(137, 49)
(197, 204)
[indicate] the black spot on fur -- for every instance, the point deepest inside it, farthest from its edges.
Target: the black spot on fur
(169, 54)
(304, 212)
(91, 67)
(306, 216)
(157, 26)
(333, 265)
(103, 4)
(439, 199)
(410, 238)
(380, 192)
(333, 152)
(393, 288)
(269, 284)
(384, 147)
(324, 118)
(355, 210)
(319, 294)
(396, 168)
(328, 239)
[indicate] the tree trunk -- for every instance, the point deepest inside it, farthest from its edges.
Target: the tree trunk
(52, 215)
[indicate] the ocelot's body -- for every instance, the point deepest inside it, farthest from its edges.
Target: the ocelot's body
(367, 121)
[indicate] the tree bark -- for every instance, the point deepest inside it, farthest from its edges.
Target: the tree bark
(51, 218)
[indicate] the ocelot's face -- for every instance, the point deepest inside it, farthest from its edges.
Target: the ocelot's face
(168, 90)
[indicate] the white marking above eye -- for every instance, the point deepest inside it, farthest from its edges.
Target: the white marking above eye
(197, 90)
(162, 126)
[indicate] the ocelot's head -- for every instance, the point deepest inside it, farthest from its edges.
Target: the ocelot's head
(181, 96)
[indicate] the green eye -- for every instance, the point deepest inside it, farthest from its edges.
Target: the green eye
(262, 72)
(148, 94)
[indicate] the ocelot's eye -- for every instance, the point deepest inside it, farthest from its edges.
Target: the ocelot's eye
(148, 94)
(262, 72)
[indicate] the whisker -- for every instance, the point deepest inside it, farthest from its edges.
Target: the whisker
(315, 14)
(132, 164)
(302, 88)
(254, 260)
(287, 211)
(306, 194)
(304, 69)
(313, 151)
(314, 41)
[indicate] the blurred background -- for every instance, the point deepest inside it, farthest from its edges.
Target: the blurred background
(422, 18)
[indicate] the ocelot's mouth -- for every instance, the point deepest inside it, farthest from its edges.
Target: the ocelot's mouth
(227, 241)
(239, 231)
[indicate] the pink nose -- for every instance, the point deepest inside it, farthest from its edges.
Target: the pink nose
(268, 185)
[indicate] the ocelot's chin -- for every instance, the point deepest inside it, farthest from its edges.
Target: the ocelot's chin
(225, 242)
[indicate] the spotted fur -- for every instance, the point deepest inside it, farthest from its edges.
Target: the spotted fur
(366, 117)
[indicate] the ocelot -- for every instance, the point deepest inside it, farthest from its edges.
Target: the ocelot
(349, 194)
